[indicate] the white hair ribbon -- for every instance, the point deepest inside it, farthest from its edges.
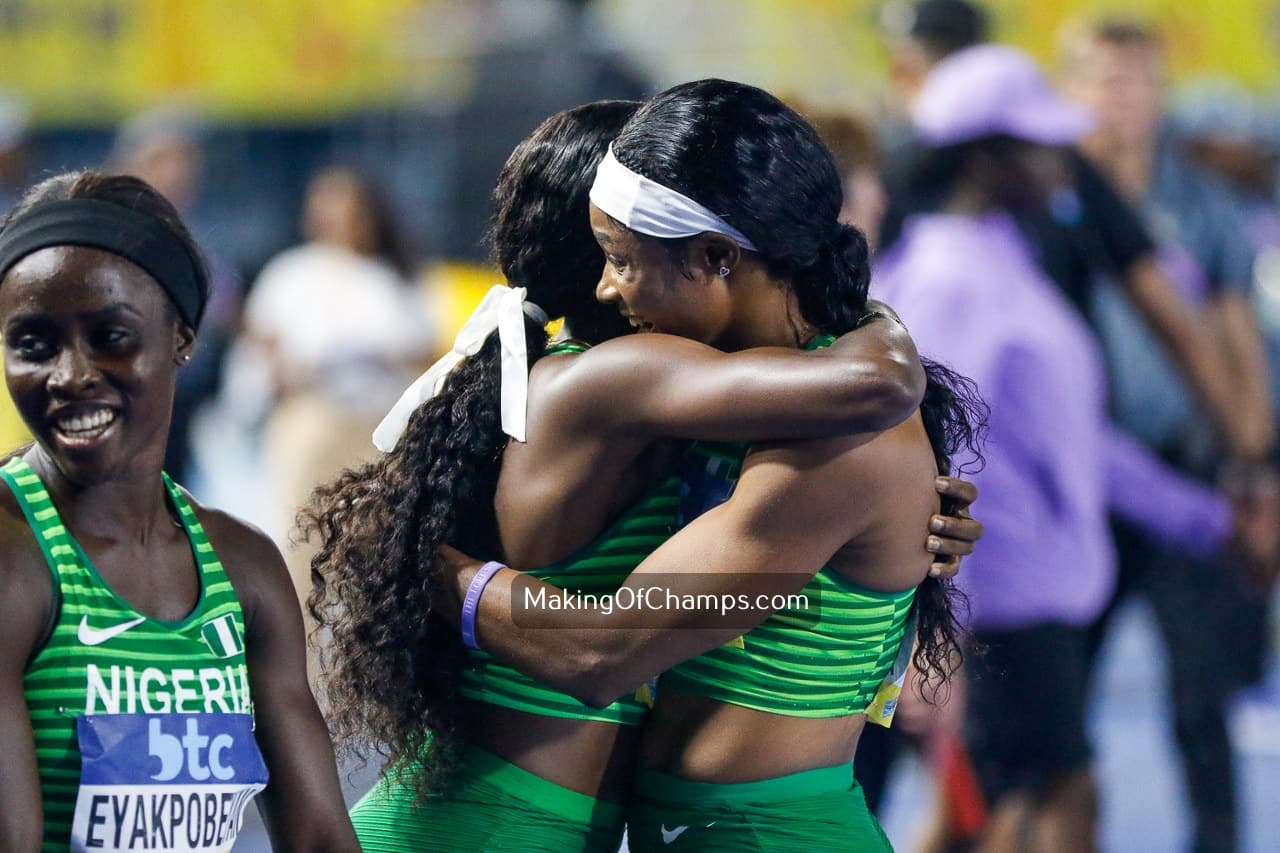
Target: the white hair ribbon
(503, 308)
(650, 208)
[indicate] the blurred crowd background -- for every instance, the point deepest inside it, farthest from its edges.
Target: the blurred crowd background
(335, 160)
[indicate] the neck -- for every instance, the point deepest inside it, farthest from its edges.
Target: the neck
(130, 507)
(766, 313)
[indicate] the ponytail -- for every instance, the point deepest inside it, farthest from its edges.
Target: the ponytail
(833, 291)
(392, 666)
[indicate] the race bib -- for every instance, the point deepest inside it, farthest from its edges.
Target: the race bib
(885, 703)
(168, 782)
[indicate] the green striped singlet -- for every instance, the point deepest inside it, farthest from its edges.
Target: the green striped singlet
(793, 663)
(105, 658)
(599, 568)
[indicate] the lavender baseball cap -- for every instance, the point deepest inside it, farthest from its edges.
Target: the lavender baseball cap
(993, 89)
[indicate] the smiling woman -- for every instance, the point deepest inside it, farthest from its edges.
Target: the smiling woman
(135, 623)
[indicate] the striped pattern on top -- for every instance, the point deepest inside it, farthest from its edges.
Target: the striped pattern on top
(103, 656)
(797, 663)
(599, 568)
(798, 667)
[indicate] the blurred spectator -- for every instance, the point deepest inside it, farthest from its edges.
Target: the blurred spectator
(15, 154)
(920, 35)
(1234, 135)
(1231, 133)
(856, 150)
(1117, 69)
(535, 57)
(163, 147)
(340, 330)
(1088, 231)
(989, 123)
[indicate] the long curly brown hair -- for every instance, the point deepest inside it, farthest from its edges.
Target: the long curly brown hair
(392, 666)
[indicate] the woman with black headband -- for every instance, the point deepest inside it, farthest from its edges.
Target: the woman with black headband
(152, 671)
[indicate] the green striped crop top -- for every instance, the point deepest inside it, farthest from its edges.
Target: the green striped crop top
(134, 717)
(827, 661)
(598, 568)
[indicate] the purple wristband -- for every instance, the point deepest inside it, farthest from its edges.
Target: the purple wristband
(471, 604)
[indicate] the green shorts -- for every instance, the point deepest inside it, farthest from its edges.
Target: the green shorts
(815, 810)
(491, 805)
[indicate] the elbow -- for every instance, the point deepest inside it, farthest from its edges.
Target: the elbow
(597, 680)
(893, 395)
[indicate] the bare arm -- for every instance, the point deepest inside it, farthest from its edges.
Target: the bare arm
(1209, 374)
(1247, 360)
(302, 805)
(665, 386)
(789, 514)
(24, 610)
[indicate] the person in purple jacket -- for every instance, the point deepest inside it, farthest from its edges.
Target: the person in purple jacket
(1054, 465)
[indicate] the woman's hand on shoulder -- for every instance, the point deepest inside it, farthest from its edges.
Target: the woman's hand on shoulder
(953, 532)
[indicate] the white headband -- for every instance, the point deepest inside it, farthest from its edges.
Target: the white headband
(652, 209)
(503, 308)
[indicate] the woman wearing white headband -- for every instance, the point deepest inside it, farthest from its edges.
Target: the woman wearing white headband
(717, 211)
(538, 769)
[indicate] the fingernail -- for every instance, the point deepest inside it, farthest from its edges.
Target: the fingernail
(934, 543)
(934, 572)
(937, 525)
(940, 483)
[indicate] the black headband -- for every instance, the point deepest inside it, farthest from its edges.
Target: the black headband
(137, 237)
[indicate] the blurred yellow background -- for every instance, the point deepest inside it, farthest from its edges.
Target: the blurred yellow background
(96, 60)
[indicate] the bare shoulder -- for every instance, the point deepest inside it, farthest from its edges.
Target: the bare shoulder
(250, 558)
(20, 553)
(26, 583)
(571, 398)
(856, 481)
(883, 489)
(237, 542)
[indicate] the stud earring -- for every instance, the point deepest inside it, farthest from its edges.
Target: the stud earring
(724, 272)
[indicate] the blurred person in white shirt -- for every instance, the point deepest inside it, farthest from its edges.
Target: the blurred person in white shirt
(340, 330)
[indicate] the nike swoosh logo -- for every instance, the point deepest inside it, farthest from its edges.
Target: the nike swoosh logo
(671, 835)
(91, 637)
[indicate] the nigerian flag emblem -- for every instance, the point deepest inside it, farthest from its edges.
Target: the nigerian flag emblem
(222, 636)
